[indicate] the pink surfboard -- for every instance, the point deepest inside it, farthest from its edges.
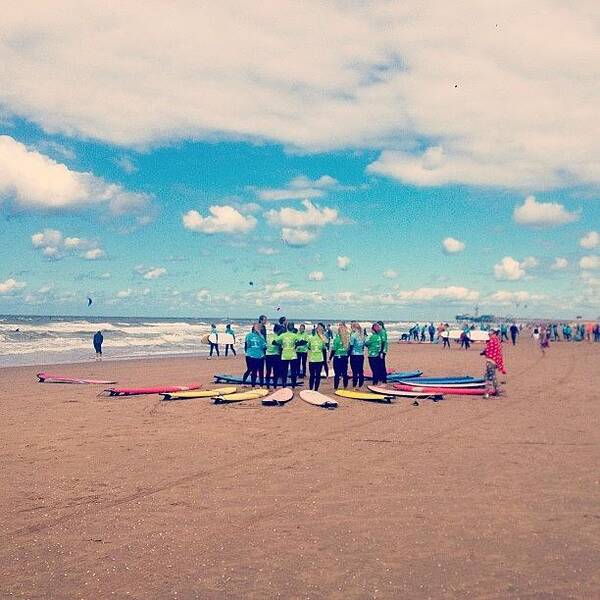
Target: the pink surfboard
(50, 378)
(440, 390)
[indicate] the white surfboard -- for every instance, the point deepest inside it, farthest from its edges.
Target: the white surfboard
(318, 399)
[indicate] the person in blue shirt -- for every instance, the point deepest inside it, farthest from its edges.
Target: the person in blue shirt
(97, 341)
(255, 346)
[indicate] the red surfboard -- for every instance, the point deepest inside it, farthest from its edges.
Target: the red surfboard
(159, 389)
(441, 390)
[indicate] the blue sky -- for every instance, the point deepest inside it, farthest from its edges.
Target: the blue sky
(371, 184)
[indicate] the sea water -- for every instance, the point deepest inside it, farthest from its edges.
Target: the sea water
(34, 340)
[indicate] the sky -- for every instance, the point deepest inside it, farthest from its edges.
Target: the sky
(323, 159)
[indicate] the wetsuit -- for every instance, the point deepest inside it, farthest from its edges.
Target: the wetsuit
(339, 353)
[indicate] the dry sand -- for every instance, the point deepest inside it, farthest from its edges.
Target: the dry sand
(134, 498)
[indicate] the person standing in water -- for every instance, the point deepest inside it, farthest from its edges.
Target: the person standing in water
(339, 353)
(213, 345)
(255, 346)
(302, 350)
(384, 351)
(230, 331)
(97, 341)
(316, 346)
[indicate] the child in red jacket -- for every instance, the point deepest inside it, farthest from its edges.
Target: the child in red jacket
(493, 361)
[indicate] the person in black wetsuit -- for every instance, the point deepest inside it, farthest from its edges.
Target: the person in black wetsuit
(97, 340)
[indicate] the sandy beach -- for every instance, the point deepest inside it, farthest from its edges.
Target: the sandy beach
(464, 498)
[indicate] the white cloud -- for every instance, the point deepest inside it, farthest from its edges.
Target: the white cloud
(390, 274)
(203, 295)
(154, 273)
(10, 285)
(427, 294)
(590, 240)
(590, 262)
(343, 262)
(266, 251)
(530, 263)
(126, 164)
(54, 245)
(508, 297)
(316, 276)
(559, 264)
(543, 214)
(34, 181)
(509, 269)
(223, 219)
(299, 188)
(505, 113)
(312, 216)
(124, 293)
(452, 245)
(297, 237)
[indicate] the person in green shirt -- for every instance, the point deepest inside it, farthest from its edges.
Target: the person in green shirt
(316, 345)
(339, 353)
(374, 344)
(272, 358)
(255, 346)
(302, 350)
(384, 339)
(288, 342)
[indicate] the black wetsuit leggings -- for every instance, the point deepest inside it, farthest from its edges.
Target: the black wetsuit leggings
(272, 368)
(357, 364)
(314, 368)
(325, 365)
(302, 356)
(214, 347)
(289, 365)
(375, 363)
(229, 347)
(98, 348)
(256, 369)
(340, 369)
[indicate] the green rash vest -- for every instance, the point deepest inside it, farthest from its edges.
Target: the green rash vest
(338, 347)
(375, 344)
(384, 339)
(287, 341)
(304, 348)
(315, 349)
(272, 349)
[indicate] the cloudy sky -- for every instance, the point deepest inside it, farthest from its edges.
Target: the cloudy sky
(353, 158)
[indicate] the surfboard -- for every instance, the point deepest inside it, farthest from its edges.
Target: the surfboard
(318, 399)
(238, 380)
(369, 397)
(475, 335)
(278, 397)
(218, 338)
(160, 389)
(44, 377)
(476, 383)
(441, 390)
(240, 396)
(200, 393)
(405, 394)
(397, 374)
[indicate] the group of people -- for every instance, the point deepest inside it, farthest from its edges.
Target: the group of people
(284, 353)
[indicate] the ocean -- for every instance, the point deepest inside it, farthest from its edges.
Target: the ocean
(35, 340)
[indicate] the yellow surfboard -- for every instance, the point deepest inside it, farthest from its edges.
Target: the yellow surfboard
(222, 391)
(369, 396)
(240, 396)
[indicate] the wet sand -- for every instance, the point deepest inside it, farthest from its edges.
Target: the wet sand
(464, 498)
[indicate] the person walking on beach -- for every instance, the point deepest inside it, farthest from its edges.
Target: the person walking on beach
(384, 350)
(357, 355)
(514, 332)
(445, 335)
(374, 345)
(465, 338)
(317, 345)
(272, 356)
(431, 330)
(503, 332)
(544, 340)
(493, 360)
(302, 350)
(229, 331)
(254, 347)
(339, 353)
(215, 336)
(97, 341)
